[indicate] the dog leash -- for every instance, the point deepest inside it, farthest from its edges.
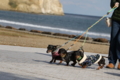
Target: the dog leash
(80, 36)
(98, 20)
(112, 9)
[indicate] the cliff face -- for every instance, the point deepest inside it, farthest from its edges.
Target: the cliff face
(33, 6)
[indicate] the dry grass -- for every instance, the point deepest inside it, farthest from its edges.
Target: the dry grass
(8, 37)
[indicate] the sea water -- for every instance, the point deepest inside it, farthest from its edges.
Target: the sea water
(67, 24)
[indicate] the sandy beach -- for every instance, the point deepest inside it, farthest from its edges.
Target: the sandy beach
(15, 38)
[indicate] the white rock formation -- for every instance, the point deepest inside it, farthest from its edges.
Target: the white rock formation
(33, 6)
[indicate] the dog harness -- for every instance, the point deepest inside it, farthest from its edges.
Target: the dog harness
(56, 54)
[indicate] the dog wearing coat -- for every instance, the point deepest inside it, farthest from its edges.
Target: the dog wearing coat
(86, 61)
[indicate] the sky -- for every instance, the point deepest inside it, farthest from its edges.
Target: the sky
(86, 7)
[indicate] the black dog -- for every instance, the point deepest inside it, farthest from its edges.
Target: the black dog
(79, 55)
(69, 56)
(55, 56)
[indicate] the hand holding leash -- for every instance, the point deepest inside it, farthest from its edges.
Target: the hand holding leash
(117, 4)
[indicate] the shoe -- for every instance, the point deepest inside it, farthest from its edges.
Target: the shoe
(118, 66)
(110, 65)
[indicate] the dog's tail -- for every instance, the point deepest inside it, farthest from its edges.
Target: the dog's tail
(105, 57)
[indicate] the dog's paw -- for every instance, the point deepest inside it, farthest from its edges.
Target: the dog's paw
(98, 69)
(101, 67)
(80, 65)
(50, 61)
(84, 66)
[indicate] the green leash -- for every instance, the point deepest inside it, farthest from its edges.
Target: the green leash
(84, 32)
(95, 24)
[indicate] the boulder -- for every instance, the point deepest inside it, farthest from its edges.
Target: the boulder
(9, 27)
(44, 32)
(35, 31)
(101, 40)
(60, 34)
(72, 36)
(23, 29)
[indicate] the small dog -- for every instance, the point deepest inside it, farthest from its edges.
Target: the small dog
(55, 55)
(101, 63)
(69, 56)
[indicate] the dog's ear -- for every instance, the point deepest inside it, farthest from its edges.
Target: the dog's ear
(65, 51)
(62, 50)
(49, 45)
(54, 47)
(82, 51)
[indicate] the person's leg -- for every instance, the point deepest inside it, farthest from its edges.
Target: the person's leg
(118, 48)
(112, 49)
(119, 65)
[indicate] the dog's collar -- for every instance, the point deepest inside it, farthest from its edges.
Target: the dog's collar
(79, 58)
(63, 56)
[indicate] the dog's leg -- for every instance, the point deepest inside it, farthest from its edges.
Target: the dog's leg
(52, 60)
(99, 66)
(84, 66)
(60, 62)
(74, 62)
(80, 65)
(102, 66)
(67, 63)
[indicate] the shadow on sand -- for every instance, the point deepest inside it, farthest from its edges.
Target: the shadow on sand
(47, 54)
(49, 62)
(10, 76)
(115, 74)
(64, 64)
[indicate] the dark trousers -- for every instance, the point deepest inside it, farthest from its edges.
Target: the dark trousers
(114, 50)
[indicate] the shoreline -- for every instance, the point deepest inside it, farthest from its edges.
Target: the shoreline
(62, 35)
(30, 39)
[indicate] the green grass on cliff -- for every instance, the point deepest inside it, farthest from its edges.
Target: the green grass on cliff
(13, 4)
